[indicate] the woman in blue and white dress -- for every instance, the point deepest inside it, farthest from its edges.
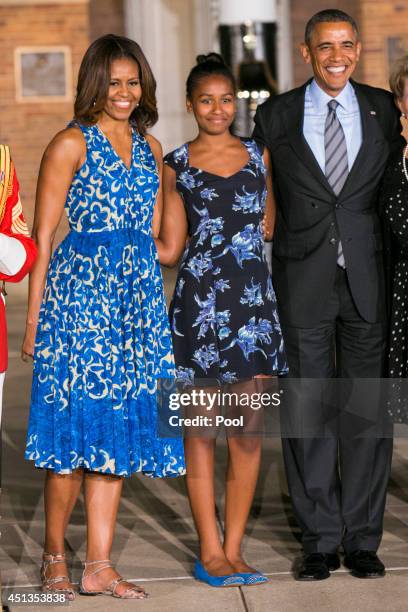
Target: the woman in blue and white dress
(102, 338)
(224, 319)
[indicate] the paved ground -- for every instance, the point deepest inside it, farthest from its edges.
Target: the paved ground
(156, 544)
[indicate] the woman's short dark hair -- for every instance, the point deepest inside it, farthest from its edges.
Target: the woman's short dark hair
(328, 16)
(211, 64)
(94, 77)
(399, 77)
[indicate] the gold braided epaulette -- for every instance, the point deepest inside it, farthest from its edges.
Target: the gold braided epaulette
(6, 178)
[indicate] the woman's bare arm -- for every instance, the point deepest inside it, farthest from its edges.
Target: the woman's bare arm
(63, 156)
(158, 206)
(174, 228)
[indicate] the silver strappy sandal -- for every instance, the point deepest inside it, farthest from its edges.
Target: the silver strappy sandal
(133, 592)
(48, 583)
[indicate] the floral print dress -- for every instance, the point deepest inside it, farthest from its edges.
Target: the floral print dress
(223, 315)
(103, 337)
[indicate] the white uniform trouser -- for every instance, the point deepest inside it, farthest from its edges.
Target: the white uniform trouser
(1, 393)
(12, 258)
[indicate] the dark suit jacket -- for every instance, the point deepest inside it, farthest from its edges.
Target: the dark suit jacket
(311, 218)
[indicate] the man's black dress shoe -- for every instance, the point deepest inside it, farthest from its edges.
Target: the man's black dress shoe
(317, 566)
(364, 564)
(333, 561)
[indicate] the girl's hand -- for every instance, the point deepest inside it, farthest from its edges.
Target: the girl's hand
(266, 229)
(27, 349)
(268, 223)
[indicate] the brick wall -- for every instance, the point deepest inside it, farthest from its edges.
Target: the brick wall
(301, 12)
(381, 21)
(106, 17)
(28, 127)
(378, 21)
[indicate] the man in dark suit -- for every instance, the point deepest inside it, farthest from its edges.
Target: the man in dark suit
(329, 141)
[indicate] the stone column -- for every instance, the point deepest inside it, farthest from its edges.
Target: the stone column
(284, 46)
(206, 20)
(165, 29)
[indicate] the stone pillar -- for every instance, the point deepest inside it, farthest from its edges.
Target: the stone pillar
(206, 19)
(284, 46)
(235, 12)
(166, 32)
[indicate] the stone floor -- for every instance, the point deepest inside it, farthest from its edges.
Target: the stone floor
(156, 543)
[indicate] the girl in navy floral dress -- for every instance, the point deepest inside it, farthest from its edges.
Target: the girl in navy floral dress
(223, 314)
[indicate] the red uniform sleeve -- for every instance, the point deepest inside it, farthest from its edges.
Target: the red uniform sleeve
(13, 224)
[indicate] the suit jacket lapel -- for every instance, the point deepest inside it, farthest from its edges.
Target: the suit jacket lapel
(368, 135)
(293, 119)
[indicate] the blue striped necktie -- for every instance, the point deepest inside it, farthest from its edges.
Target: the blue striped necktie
(336, 166)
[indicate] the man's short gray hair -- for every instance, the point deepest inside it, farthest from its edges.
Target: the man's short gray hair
(327, 16)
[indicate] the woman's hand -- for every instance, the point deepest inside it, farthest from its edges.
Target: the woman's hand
(174, 229)
(27, 349)
(157, 151)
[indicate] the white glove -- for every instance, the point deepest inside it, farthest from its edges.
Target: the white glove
(12, 255)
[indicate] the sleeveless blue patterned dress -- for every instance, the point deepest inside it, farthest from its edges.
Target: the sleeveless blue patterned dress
(103, 336)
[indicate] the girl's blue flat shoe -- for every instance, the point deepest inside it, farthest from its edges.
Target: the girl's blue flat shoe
(217, 581)
(254, 578)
